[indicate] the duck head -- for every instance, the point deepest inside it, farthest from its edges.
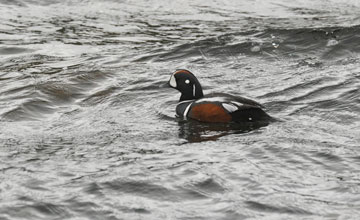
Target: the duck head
(187, 84)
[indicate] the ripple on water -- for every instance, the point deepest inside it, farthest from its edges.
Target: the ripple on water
(41, 94)
(303, 44)
(14, 50)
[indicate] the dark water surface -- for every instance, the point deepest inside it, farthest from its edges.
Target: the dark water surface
(87, 133)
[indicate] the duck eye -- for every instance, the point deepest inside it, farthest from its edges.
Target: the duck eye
(187, 81)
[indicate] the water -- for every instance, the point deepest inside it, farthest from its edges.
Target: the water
(86, 131)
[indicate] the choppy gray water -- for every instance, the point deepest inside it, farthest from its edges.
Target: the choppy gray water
(87, 133)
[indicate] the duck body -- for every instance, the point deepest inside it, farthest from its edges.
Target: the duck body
(217, 107)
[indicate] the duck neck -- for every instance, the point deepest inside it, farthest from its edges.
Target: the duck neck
(195, 93)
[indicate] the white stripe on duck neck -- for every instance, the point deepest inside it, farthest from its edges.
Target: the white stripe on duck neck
(187, 110)
(185, 101)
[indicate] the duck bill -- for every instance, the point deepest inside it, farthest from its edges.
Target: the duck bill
(165, 85)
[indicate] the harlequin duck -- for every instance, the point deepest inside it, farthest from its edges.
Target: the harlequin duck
(214, 107)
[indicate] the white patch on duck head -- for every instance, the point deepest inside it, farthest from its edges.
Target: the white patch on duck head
(172, 81)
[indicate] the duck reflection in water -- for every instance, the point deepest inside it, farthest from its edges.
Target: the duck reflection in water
(194, 131)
